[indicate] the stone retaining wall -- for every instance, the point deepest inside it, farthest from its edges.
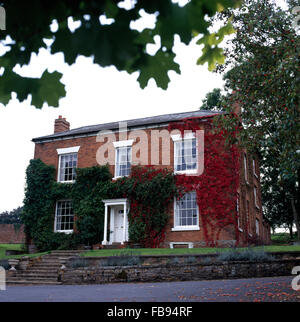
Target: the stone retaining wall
(176, 272)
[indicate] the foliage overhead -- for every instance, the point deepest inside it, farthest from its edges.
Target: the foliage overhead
(111, 40)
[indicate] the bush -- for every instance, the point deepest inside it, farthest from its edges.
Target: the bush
(281, 238)
(125, 259)
(244, 255)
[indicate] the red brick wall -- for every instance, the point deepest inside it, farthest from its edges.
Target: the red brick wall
(10, 235)
(87, 158)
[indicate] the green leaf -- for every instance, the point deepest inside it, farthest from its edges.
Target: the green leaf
(157, 67)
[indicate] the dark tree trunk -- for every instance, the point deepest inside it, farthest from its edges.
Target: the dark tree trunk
(291, 231)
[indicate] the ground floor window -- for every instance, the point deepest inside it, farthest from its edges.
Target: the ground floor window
(257, 227)
(64, 216)
(186, 216)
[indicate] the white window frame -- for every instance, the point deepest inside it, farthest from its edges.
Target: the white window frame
(254, 168)
(69, 231)
(238, 213)
(246, 168)
(248, 217)
(190, 244)
(255, 197)
(186, 227)
(121, 144)
(177, 138)
(257, 226)
(65, 151)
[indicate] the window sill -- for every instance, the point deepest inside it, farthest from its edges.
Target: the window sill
(116, 178)
(241, 230)
(66, 181)
(186, 172)
(64, 231)
(185, 228)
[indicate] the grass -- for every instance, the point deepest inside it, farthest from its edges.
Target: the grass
(4, 247)
(181, 251)
(149, 251)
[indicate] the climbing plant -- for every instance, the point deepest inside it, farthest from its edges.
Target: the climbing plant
(216, 188)
(149, 191)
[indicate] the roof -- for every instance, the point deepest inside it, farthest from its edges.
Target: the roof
(146, 121)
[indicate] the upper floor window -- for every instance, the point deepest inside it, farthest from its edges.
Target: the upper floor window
(67, 164)
(64, 217)
(123, 158)
(254, 167)
(186, 216)
(245, 168)
(255, 197)
(185, 154)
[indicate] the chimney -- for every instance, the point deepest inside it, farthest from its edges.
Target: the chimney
(61, 125)
(236, 106)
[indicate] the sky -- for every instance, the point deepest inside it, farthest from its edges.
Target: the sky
(94, 95)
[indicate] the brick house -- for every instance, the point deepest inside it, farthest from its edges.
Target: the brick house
(115, 144)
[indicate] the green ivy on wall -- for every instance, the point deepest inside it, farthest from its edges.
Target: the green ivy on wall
(149, 192)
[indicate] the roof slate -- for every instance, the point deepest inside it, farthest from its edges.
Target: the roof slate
(146, 121)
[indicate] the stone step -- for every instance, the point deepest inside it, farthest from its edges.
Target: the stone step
(33, 274)
(40, 270)
(52, 261)
(53, 266)
(65, 252)
(32, 278)
(111, 247)
(37, 282)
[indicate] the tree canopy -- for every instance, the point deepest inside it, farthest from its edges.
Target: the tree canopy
(262, 75)
(11, 217)
(213, 101)
(107, 34)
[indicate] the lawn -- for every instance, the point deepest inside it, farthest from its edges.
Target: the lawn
(180, 251)
(4, 247)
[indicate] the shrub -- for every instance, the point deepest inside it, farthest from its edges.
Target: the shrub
(244, 255)
(125, 259)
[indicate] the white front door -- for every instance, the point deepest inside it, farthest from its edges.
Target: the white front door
(118, 224)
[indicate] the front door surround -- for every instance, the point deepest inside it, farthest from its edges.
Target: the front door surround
(118, 228)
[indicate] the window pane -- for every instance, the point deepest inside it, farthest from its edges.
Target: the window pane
(186, 210)
(64, 216)
(185, 155)
(123, 161)
(68, 165)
